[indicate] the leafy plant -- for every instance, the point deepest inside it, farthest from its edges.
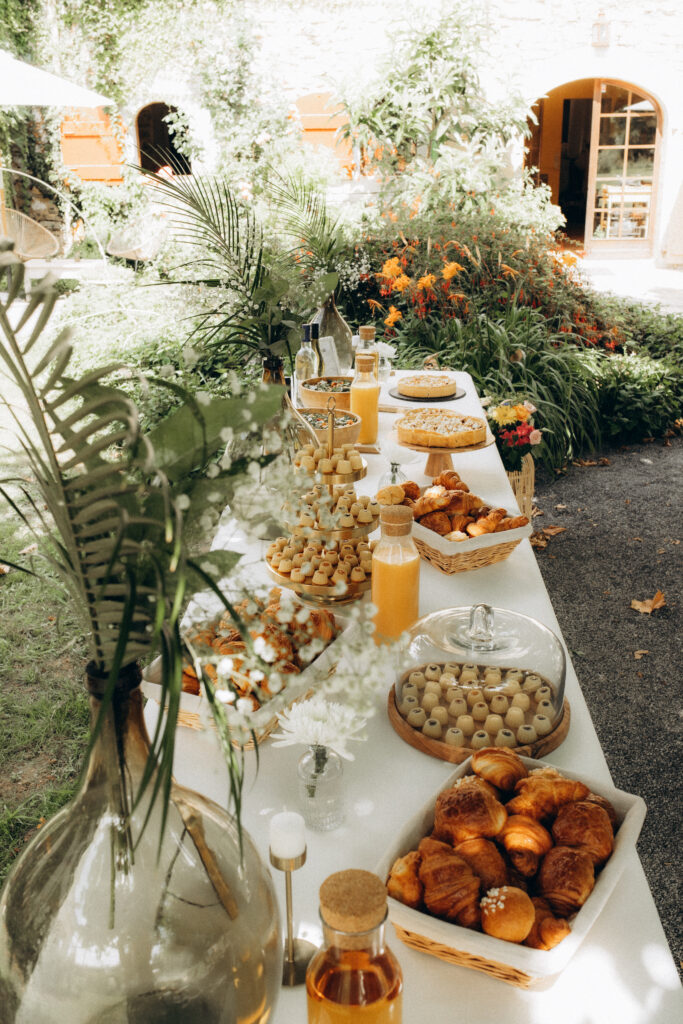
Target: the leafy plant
(113, 504)
(638, 396)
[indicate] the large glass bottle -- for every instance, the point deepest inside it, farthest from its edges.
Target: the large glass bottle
(103, 923)
(395, 574)
(355, 976)
(333, 325)
(305, 364)
(365, 398)
(366, 344)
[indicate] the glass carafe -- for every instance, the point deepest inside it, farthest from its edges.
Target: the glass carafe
(365, 398)
(395, 574)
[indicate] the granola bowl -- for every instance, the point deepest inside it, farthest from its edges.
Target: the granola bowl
(316, 392)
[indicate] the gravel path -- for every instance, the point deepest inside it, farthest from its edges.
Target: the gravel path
(622, 542)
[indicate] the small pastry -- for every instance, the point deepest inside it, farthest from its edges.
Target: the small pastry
(343, 467)
(319, 579)
(455, 738)
(285, 565)
(288, 551)
(325, 466)
(491, 691)
(272, 548)
(347, 522)
(493, 724)
(339, 577)
(407, 704)
(351, 561)
(480, 740)
(429, 701)
(320, 453)
(365, 516)
(326, 567)
(474, 697)
(296, 576)
(507, 913)
(307, 449)
(298, 560)
(447, 681)
(408, 690)
(542, 725)
(480, 711)
(357, 574)
(440, 714)
(510, 687)
(505, 738)
(514, 718)
(457, 707)
(526, 734)
(492, 676)
(355, 508)
(452, 668)
(469, 675)
(431, 686)
(543, 693)
(499, 704)
(433, 672)
(417, 679)
(432, 729)
(281, 543)
(532, 683)
(514, 673)
(466, 724)
(521, 700)
(307, 568)
(455, 693)
(374, 507)
(544, 707)
(307, 462)
(417, 718)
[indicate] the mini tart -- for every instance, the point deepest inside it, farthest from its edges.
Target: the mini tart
(427, 385)
(440, 428)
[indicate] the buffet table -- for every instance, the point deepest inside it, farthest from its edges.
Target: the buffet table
(623, 972)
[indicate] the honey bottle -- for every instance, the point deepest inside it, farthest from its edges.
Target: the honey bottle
(355, 977)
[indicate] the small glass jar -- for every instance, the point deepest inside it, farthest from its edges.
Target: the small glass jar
(365, 398)
(395, 574)
(383, 369)
(321, 788)
(366, 344)
(355, 976)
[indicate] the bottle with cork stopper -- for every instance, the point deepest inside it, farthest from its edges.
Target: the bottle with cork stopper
(355, 976)
(366, 343)
(395, 574)
(365, 398)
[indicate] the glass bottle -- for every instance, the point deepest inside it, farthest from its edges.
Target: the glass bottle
(104, 921)
(305, 365)
(365, 398)
(395, 574)
(321, 789)
(366, 344)
(315, 342)
(355, 976)
(294, 432)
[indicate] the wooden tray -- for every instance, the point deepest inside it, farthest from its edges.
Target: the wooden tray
(440, 459)
(319, 594)
(456, 755)
(350, 533)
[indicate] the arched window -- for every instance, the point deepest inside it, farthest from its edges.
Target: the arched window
(156, 139)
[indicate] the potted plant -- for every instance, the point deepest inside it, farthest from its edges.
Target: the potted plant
(140, 900)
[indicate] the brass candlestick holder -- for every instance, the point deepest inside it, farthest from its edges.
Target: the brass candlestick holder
(298, 952)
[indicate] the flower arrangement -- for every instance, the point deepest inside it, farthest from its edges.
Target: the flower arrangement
(516, 435)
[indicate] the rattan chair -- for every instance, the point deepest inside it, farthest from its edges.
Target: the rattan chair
(31, 240)
(140, 240)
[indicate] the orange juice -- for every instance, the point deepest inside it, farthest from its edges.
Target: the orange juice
(364, 402)
(395, 589)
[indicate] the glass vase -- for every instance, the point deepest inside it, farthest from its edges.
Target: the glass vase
(293, 429)
(104, 923)
(321, 789)
(332, 324)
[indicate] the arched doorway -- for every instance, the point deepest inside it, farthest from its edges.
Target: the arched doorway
(156, 139)
(597, 145)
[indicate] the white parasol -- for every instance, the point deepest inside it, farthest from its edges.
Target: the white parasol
(24, 85)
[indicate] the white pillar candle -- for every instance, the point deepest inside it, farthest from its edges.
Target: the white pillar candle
(287, 835)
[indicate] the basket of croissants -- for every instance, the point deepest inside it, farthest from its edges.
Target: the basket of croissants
(454, 529)
(508, 868)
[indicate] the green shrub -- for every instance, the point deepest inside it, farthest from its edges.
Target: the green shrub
(642, 327)
(638, 396)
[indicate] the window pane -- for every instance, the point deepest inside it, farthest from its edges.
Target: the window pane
(640, 163)
(613, 131)
(611, 161)
(614, 100)
(639, 103)
(634, 220)
(605, 226)
(642, 131)
(608, 194)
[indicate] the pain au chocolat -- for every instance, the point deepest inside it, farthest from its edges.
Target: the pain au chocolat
(440, 428)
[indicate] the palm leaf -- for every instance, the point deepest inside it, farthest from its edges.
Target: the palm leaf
(316, 233)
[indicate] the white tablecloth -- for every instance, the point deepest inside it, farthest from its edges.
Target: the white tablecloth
(622, 974)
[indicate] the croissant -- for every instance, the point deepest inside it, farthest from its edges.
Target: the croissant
(468, 811)
(601, 801)
(404, 882)
(542, 797)
(411, 489)
(566, 879)
(507, 913)
(586, 826)
(525, 841)
(451, 889)
(502, 767)
(487, 524)
(486, 861)
(547, 930)
(459, 523)
(450, 480)
(437, 521)
(511, 523)
(462, 502)
(433, 499)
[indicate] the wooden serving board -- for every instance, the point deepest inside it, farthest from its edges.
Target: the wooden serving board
(456, 755)
(441, 459)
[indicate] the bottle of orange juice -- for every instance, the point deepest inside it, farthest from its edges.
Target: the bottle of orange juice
(365, 398)
(395, 574)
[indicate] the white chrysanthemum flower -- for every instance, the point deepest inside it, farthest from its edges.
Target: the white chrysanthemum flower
(320, 723)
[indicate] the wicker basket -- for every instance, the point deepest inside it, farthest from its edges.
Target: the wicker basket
(522, 482)
(450, 556)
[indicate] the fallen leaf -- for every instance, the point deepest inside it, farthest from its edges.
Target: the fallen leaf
(667, 444)
(627, 501)
(51, 618)
(648, 606)
(584, 462)
(675, 542)
(4, 569)
(552, 531)
(538, 540)
(603, 461)
(29, 549)
(41, 822)
(648, 440)
(661, 551)
(560, 506)
(607, 592)
(639, 654)
(536, 511)
(636, 538)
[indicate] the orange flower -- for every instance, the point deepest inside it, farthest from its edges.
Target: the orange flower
(521, 412)
(394, 316)
(401, 283)
(451, 269)
(391, 268)
(426, 283)
(375, 306)
(509, 271)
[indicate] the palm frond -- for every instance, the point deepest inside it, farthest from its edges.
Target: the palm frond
(316, 234)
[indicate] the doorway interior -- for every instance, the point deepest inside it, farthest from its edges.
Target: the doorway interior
(156, 140)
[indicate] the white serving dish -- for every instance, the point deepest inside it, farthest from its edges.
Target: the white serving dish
(516, 964)
(485, 540)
